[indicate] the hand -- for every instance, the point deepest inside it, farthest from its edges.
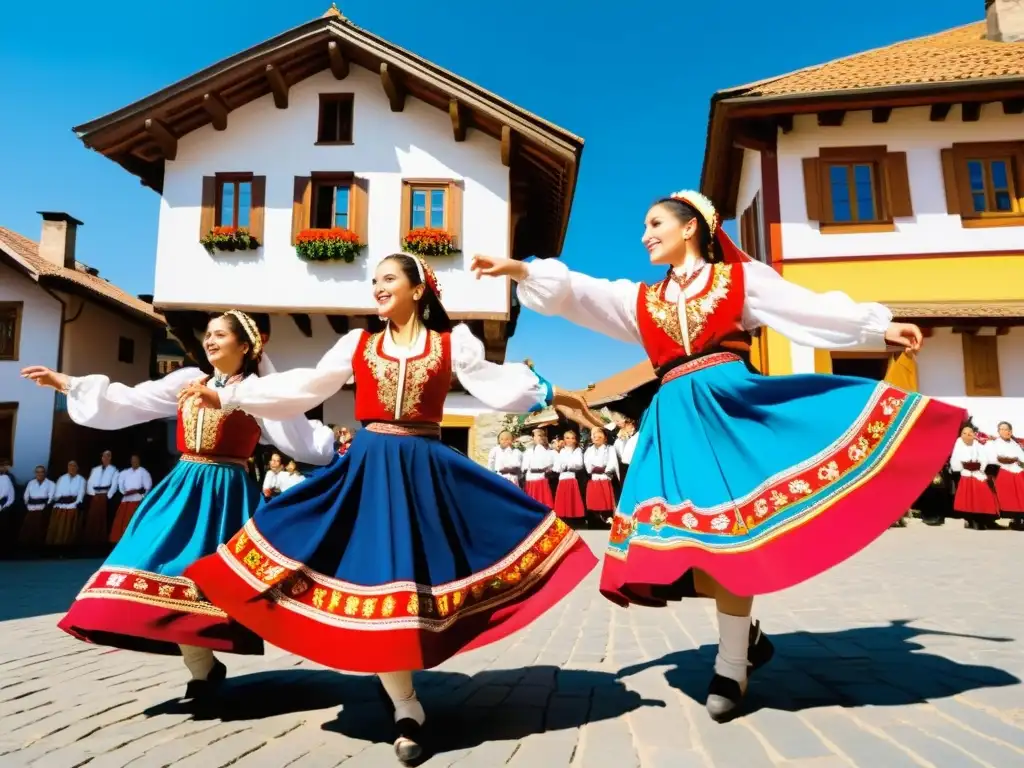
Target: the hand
(573, 405)
(496, 266)
(905, 335)
(201, 395)
(44, 377)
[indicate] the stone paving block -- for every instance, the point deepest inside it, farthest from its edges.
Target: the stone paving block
(931, 748)
(982, 722)
(606, 744)
(787, 734)
(660, 757)
(859, 745)
(547, 748)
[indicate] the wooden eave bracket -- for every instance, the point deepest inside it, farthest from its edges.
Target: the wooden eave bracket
(162, 135)
(278, 86)
(508, 140)
(459, 118)
(393, 87)
(217, 109)
(339, 63)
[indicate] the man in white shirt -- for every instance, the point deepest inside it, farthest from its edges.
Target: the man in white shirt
(133, 483)
(6, 489)
(63, 528)
(506, 460)
(272, 478)
(100, 488)
(38, 496)
(8, 518)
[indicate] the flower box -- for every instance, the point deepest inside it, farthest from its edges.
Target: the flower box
(337, 244)
(429, 242)
(229, 239)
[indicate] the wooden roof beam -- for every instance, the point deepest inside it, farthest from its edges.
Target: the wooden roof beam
(278, 86)
(459, 119)
(832, 118)
(970, 111)
(785, 123)
(393, 87)
(881, 114)
(166, 140)
(939, 112)
(339, 64)
(508, 140)
(1013, 107)
(303, 323)
(339, 324)
(217, 109)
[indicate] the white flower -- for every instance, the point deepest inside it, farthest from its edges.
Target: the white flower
(689, 520)
(721, 522)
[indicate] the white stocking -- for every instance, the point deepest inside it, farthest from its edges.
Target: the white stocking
(398, 686)
(198, 660)
(734, 637)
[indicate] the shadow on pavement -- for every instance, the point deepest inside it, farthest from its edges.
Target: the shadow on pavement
(465, 711)
(877, 666)
(42, 586)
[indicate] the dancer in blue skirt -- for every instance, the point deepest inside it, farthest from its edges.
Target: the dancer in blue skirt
(403, 552)
(743, 484)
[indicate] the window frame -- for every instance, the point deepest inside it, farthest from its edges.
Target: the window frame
(959, 187)
(874, 157)
(330, 179)
(334, 99)
(359, 201)
(452, 205)
(233, 178)
(19, 308)
(11, 408)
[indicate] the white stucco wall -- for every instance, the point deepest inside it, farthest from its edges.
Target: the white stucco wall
(279, 144)
(40, 335)
(931, 229)
(91, 342)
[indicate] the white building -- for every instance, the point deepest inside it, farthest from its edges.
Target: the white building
(58, 312)
(329, 125)
(895, 175)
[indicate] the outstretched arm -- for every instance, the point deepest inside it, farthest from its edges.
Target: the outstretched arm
(550, 288)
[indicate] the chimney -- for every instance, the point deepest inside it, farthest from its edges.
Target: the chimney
(1005, 21)
(57, 242)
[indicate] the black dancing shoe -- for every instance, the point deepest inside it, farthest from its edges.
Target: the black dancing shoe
(725, 699)
(203, 689)
(760, 650)
(409, 744)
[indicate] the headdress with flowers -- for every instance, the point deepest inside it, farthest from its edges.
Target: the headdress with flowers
(427, 275)
(731, 252)
(252, 331)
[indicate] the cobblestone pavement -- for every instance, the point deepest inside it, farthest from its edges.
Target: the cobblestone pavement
(908, 655)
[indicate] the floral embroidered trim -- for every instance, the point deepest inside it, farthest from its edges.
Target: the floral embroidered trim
(417, 373)
(196, 458)
(171, 592)
(404, 430)
(708, 361)
(666, 313)
(399, 604)
(821, 476)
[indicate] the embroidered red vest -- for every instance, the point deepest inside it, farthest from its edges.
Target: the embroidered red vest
(213, 432)
(714, 317)
(421, 382)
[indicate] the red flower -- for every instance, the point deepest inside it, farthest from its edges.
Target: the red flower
(336, 233)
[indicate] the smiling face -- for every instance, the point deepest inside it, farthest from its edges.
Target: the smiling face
(665, 235)
(224, 349)
(570, 439)
(393, 291)
(598, 437)
(540, 437)
(967, 435)
(505, 439)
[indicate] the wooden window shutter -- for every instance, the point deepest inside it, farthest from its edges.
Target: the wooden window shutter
(812, 188)
(361, 208)
(898, 184)
(949, 179)
(208, 210)
(981, 366)
(301, 205)
(257, 207)
(455, 211)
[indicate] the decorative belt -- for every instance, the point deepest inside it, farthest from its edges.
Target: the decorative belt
(404, 429)
(973, 466)
(509, 471)
(196, 458)
(33, 500)
(686, 365)
(65, 500)
(100, 489)
(1007, 460)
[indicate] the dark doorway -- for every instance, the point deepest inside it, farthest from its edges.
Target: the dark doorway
(456, 437)
(873, 368)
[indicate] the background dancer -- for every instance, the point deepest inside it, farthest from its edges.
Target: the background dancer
(138, 599)
(403, 552)
(974, 498)
(706, 510)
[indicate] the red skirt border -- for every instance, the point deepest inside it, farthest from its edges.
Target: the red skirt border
(144, 611)
(600, 497)
(393, 627)
(975, 497)
(569, 500)
(540, 490)
(1010, 491)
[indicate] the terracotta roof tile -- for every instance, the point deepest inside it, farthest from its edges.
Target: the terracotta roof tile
(958, 54)
(27, 252)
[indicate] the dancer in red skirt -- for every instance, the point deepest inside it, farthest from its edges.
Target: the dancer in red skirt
(603, 467)
(1006, 451)
(568, 499)
(538, 464)
(974, 498)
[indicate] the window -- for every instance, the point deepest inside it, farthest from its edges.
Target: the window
(125, 350)
(751, 232)
(433, 204)
(981, 365)
(10, 329)
(335, 124)
(324, 200)
(857, 189)
(233, 200)
(985, 183)
(8, 421)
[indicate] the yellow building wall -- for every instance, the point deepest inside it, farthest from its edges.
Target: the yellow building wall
(966, 278)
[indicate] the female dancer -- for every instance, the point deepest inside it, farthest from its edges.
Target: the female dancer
(974, 497)
(403, 552)
(772, 480)
(603, 467)
(138, 599)
(569, 465)
(1007, 452)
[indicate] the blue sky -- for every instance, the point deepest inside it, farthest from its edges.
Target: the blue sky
(635, 83)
